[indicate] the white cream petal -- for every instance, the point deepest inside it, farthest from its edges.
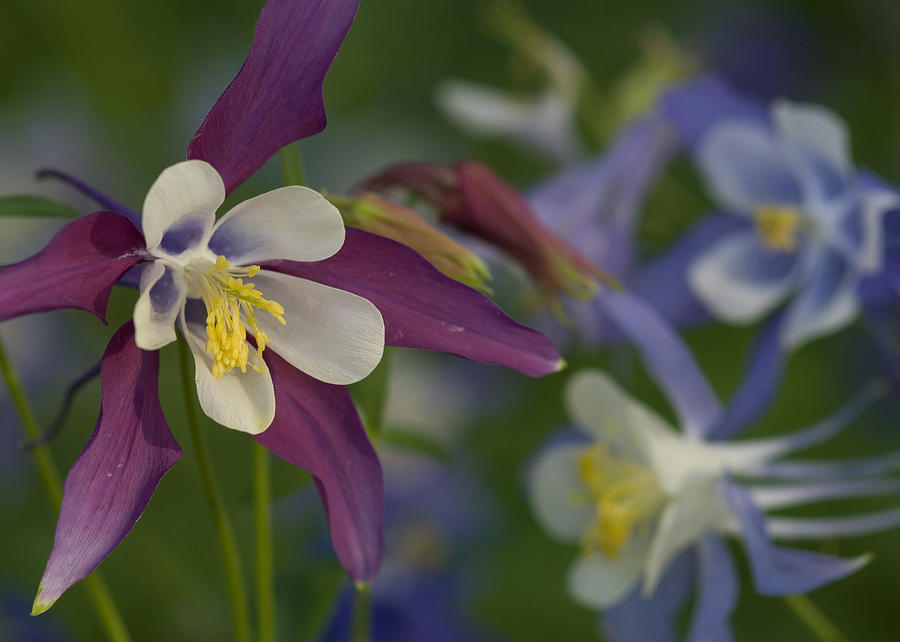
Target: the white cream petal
(243, 401)
(599, 582)
(330, 334)
(163, 292)
(558, 498)
(188, 188)
(815, 128)
(597, 404)
(696, 510)
(293, 223)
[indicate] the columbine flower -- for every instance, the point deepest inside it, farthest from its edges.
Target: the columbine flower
(648, 503)
(810, 225)
(283, 256)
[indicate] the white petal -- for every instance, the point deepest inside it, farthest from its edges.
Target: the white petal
(814, 128)
(695, 511)
(599, 582)
(745, 167)
(242, 401)
(163, 292)
(557, 495)
(293, 223)
(596, 403)
(188, 188)
(332, 335)
(740, 280)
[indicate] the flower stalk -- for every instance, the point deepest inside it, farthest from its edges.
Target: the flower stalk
(101, 598)
(224, 529)
(810, 614)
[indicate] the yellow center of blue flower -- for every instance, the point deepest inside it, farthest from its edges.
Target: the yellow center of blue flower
(624, 493)
(777, 226)
(230, 311)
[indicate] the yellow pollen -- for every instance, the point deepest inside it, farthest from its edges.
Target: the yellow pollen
(777, 225)
(624, 493)
(230, 312)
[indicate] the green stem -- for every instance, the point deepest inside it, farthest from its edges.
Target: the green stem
(262, 491)
(291, 165)
(823, 628)
(236, 593)
(361, 615)
(101, 598)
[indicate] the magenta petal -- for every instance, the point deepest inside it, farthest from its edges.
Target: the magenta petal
(111, 483)
(422, 308)
(316, 428)
(276, 97)
(77, 269)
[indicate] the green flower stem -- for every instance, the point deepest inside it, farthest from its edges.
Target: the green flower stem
(101, 598)
(823, 628)
(265, 584)
(361, 614)
(239, 611)
(291, 165)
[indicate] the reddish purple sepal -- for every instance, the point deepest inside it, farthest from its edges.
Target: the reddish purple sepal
(77, 269)
(276, 98)
(111, 483)
(422, 308)
(316, 427)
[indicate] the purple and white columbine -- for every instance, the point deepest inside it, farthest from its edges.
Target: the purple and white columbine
(650, 505)
(342, 294)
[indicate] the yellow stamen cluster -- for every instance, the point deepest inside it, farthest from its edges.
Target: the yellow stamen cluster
(777, 225)
(624, 493)
(230, 311)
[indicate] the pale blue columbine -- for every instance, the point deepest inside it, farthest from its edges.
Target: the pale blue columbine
(650, 504)
(811, 224)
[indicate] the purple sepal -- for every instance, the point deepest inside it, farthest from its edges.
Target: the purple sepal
(717, 592)
(777, 570)
(77, 269)
(317, 428)
(276, 97)
(640, 618)
(111, 483)
(668, 360)
(761, 382)
(422, 308)
(694, 107)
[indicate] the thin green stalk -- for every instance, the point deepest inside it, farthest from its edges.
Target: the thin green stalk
(361, 614)
(101, 598)
(265, 584)
(291, 165)
(236, 593)
(815, 619)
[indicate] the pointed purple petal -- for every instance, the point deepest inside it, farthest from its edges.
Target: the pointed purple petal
(776, 570)
(316, 428)
(668, 360)
(276, 97)
(424, 309)
(718, 592)
(111, 483)
(761, 382)
(639, 618)
(697, 106)
(77, 269)
(663, 282)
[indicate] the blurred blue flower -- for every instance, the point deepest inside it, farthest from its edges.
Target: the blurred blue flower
(808, 225)
(650, 505)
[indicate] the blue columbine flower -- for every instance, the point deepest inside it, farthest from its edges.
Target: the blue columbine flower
(809, 226)
(650, 504)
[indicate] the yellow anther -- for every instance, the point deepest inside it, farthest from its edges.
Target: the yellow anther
(623, 492)
(777, 225)
(230, 312)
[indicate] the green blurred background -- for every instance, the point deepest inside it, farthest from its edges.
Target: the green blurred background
(112, 90)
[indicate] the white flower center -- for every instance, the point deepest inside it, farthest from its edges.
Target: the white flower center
(230, 311)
